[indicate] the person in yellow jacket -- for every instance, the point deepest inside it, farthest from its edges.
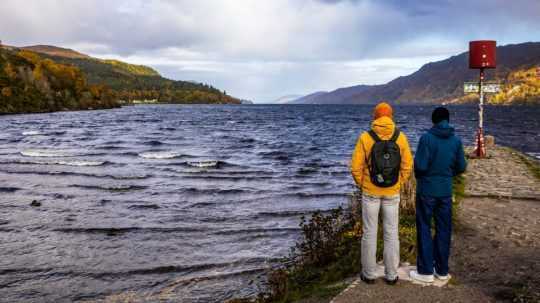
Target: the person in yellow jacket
(380, 196)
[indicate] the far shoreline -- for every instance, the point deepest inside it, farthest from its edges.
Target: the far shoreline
(276, 104)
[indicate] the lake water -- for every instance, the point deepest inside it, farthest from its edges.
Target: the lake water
(188, 203)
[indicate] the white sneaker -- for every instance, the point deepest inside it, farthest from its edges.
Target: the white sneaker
(443, 278)
(415, 276)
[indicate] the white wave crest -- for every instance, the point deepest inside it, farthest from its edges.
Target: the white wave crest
(46, 153)
(67, 163)
(203, 163)
(32, 133)
(81, 163)
(160, 155)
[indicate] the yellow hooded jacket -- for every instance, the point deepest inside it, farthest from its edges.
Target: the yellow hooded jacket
(384, 127)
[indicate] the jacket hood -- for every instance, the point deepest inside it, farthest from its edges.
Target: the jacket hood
(384, 127)
(442, 129)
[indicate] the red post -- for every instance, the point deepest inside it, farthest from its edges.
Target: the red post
(481, 56)
(480, 147)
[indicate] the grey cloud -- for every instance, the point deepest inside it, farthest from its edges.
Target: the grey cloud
(261, 49)
(265, 30)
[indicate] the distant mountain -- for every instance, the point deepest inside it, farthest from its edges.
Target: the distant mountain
(307, 98)
(329, 97)
(441, 81)
(286, 99)
(130, 82)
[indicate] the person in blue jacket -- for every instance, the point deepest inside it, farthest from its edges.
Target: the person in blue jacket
(439, 157)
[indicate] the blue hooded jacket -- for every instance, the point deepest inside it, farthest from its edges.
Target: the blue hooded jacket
(438, 159)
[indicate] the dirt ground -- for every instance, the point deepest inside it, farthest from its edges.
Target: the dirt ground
(495, 248)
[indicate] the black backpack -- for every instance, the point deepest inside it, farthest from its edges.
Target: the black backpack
(384, 161)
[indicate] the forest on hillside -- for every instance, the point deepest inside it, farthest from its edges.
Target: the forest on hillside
(519, 87)
(30, 83)
(130, 82)
(47, 78)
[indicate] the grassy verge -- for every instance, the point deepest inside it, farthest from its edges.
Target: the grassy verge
(532, 164)
(459, 195)
(459, 188)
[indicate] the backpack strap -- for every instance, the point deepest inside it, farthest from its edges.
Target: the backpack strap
(374, 135)
(395, 136)
(367, 157)
(375, 138)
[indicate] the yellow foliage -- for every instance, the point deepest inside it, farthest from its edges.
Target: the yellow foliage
(30, 56)
(38, 72)
(10, 72)
(6, 92)
(356, 231)
(521, 86)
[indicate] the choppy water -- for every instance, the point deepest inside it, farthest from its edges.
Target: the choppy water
(189, 203)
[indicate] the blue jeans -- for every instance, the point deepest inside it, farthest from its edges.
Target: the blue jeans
(433, 252)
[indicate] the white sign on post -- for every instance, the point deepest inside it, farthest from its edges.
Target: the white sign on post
(487, 87)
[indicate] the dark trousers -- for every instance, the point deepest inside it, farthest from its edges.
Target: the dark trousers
(433, 252)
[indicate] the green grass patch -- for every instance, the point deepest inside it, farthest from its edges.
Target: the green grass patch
(459, 188)
(459, 194)
(532, 164)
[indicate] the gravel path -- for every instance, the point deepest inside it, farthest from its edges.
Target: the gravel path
(495, 256)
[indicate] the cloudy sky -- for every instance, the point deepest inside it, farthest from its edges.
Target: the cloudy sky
(263, 49)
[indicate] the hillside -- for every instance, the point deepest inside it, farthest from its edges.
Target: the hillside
(325, 97)
(30, 83)
(130, 82)
(56, 51)
(442, 81)
(521, 86)
(286, 99)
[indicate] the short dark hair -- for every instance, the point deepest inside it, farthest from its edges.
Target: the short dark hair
(440, 114)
